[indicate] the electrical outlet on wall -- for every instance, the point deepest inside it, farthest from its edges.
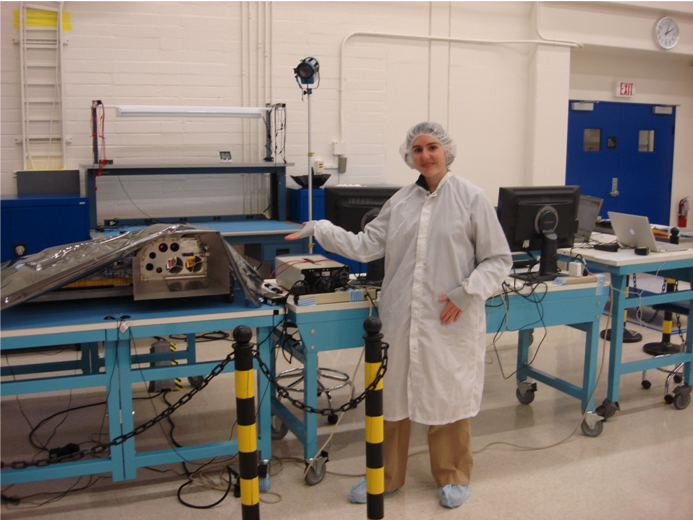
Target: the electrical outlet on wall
(319, 166)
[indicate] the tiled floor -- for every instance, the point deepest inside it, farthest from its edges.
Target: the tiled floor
(531, 462)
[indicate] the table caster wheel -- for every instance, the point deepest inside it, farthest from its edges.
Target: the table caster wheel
(607, 409)
(195, 381)
(279, 429)
(332, 418)
(682, 400)
(317, 470)
(527, 398)
(645, 384)
(595, 431)
(669, 399)
(313, 477)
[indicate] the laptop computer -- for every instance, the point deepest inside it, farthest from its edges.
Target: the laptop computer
(588, 213)
(635, 231)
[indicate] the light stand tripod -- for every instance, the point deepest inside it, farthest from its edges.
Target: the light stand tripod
(306, 72)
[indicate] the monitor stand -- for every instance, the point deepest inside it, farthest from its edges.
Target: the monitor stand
(375, 272)
(537, 277)
(548, 261)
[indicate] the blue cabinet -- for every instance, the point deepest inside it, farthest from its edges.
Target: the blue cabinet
(298, 204)
(31, 223)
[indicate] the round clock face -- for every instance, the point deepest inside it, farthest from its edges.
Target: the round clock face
(666, 32)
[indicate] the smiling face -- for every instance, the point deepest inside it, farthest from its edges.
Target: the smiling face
(429, 159)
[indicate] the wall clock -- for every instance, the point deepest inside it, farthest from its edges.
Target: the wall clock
(666, 32)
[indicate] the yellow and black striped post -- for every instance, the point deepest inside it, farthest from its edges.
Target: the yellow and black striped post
(665, 346)
(247, 433)
(177, 383)
(629, 336)
(375, 471)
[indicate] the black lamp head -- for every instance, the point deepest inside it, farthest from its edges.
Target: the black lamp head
(307, 70)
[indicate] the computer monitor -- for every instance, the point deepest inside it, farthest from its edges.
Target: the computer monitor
(539, 218)
(588, 213)
(352, 207)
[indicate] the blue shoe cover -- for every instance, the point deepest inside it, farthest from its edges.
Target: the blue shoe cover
(453, 495)
(359, 493)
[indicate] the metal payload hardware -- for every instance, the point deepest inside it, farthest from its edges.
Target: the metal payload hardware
(180, 266)
(310, 274)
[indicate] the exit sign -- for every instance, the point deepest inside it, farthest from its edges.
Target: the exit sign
(625, 88)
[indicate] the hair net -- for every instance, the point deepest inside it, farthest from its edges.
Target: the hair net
(436, 131)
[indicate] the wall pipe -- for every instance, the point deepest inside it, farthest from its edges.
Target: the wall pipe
(429, 39)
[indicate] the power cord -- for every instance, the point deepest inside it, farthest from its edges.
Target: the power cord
(584, 413)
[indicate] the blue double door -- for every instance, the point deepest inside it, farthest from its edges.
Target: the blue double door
(623, 153)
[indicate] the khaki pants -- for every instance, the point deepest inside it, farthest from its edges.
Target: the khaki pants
(449, 445)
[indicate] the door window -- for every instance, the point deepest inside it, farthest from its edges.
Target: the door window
(646, 141)
(592, 139)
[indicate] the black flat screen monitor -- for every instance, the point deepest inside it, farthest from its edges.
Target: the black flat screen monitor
(588, 213)
(539, 218)
(346, 206)
(352, 207)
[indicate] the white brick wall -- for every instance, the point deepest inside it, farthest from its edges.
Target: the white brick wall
(243, 54)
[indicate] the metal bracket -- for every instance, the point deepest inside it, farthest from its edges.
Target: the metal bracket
(318, 462)
(592, 418)
(683, 390)
(525, 386)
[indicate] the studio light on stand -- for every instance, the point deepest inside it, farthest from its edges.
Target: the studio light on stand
(306, 72)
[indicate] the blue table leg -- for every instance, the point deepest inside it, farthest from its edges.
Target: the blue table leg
(111, 364)
(618, 308)
(310, 397)
(191, 355)
(264, 393)
(523, 341)
(127, 423)
(589, 377)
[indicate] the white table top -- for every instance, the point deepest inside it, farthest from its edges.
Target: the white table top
(624, 256)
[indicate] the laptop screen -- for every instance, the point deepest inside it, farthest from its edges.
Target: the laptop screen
(588, 212)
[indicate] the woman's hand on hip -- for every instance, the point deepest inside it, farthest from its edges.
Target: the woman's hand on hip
(450, 313)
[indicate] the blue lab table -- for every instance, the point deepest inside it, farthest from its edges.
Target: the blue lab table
(33, 325)
(677, 265)
(339, 326)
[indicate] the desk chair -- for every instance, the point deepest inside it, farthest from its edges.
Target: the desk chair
(295, 376)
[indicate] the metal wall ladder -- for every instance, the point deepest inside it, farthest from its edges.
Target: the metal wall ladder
(43, 123)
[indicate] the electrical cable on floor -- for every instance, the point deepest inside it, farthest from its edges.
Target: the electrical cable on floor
(42, 447)
(504, 324)
(208, 506)
(339, 419)
(14, 502)
(173, 444)
(584, 413)
(200, 476)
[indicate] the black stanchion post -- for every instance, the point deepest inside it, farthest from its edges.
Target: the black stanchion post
(247, 433)
(629, 336)
(665, 346)
(375, 472)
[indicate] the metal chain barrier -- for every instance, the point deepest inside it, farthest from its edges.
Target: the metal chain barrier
(101, 448)
(281, 391)
(353, 403)
(678, 324)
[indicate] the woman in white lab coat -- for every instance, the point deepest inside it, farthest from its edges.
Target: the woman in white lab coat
(445, 254)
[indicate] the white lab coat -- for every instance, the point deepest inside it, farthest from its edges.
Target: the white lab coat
(448, 242)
